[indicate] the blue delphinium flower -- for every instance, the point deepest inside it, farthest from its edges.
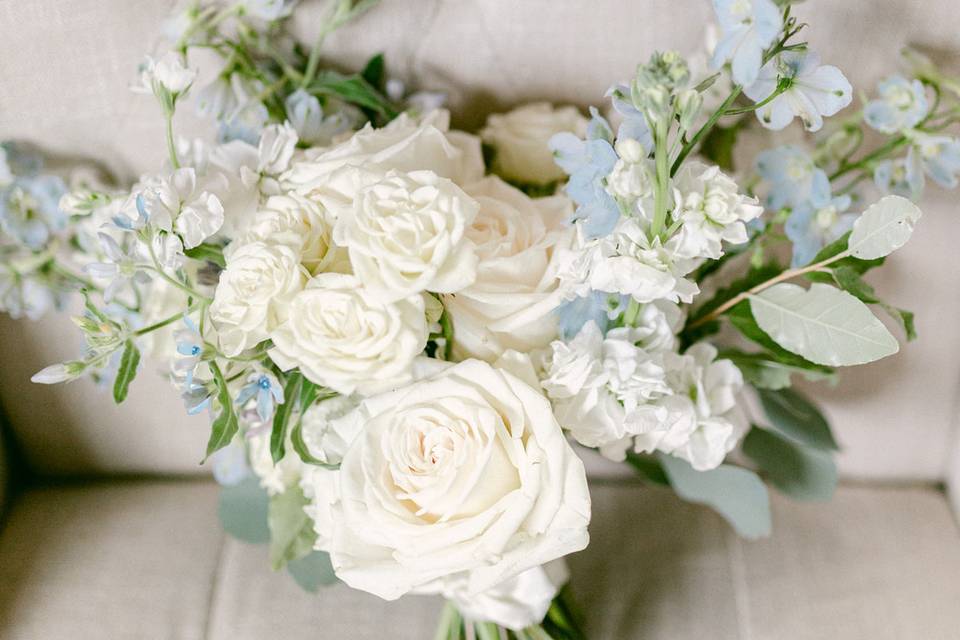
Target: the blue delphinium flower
(794, 178)
(747, 27)
(267, 390)
(196, 396)
(597, 306)
(939, 156)
(811, 227)
(900, 177)
(588, 162)
(313, 125)
(633, 123)
(27, 296)
(29, 208)
(814, 91)
(902, 105)
(119, 269)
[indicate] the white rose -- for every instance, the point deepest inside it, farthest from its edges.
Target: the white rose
(406, 234)
(406, 144)
(300, 224)
(511, 303)
(341, 337)
(464, 476)
(275, 151)
(254, 293)
(519, 602)
(274, 477)
(520, 141)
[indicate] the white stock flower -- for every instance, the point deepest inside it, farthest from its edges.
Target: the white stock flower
(405, 234)
(712, 210)
(519, 602)
(255, 293)
(704, 421)
(511, 303)
(520, 141)
(180, 203)
(168, 73)
(463, 479)
(275, 151)
(406, 144)
(627, 262)
(342, 337)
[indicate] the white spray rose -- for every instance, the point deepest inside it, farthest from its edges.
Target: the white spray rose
(254, 294)
(406, 144)
(712, 210)
(180, 203)
(520, 141)
(342, 337)
(406, 234)
(511, 303)
(464, 477)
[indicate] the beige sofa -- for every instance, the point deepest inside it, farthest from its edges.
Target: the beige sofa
(116, 533)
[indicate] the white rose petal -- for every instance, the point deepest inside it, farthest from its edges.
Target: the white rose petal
(341, 337)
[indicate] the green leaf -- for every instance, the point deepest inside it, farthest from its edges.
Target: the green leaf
(795, 417)
(735, 493)
(278, 435)
(763, 371)
(207, 253)
(648, 467)
(823, 324)
(243, 511)
(353, 89)
(225, 427)
(375, 72)
(850, 281)
(797, 471)
(291, 530)
(838, 246)
(717, 146)
(309, 393)
(883, 228)
(312, 571)
(742, 318)
(129, 361)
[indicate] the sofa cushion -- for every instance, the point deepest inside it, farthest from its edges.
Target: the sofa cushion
(139, 559)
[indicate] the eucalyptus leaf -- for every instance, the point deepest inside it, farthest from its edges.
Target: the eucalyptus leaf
(795, 417)
(291, 529)
(312, 571)
(735, 493)
(883, 228)
(243, 511)
(129, 360)
(799, 472)
(823, 324)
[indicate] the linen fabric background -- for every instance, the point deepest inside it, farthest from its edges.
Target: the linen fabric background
(65, 69)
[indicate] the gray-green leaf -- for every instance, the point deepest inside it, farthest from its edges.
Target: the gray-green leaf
(243, 511)
(127, 371)
(799, 472)
(883, 228)
(795, 417)
(291, 530)
(312, 571)
(736, 494)
(823, 324)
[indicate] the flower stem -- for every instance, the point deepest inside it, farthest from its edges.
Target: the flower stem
(661, 157)
(163, 323)
(171, 147)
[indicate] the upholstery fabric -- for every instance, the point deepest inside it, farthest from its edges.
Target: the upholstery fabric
(66, 66)
(146, 559)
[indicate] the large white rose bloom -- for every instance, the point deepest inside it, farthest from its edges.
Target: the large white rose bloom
(406, 144)
(520, 140)
(518, 240)
(405, 234)
(340, 337)
(254, 293)
(463, 479)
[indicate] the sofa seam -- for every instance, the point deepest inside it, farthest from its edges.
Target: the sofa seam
(215, 582)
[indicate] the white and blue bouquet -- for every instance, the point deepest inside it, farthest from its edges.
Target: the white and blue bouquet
(406, 335)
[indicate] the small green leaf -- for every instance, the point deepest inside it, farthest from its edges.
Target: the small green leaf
(312, 571)
(796, 417)
(243, 511)
(353, 89)
(735, 493)
(799, 472)
(883, 228)
(129, 361)
(207, 253)
(375, 72)
(763, 371)
(278, 435)
(648, 467)
(291, 529)
(225, 427)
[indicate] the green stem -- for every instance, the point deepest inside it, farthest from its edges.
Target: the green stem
(449, 626)
(163, 274)
(704, 130)
(662, 159)
(163, 323)
(781, 88)
(876, 154)
(171, 147)
(632, 313)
